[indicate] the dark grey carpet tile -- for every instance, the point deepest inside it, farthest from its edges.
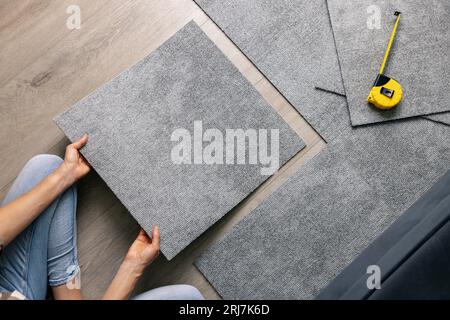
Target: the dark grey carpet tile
(292, 44)
(420, 59)
(130, 121)
(315, 224)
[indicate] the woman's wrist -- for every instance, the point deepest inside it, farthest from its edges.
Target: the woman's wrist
(132, 267)
(125, 281)
(65, 175)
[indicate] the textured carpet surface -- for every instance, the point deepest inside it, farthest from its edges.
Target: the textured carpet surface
(130, 121)
(316, 223)
(440, 117)
(420, 59)
(291, 42)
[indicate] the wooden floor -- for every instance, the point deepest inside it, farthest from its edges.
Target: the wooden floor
(45, 68)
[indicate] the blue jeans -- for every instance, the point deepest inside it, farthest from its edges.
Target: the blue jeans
(176, 292)
(45, 253)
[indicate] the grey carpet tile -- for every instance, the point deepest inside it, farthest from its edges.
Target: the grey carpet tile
(443, 118)
(316, 223)
(291, 42)
(290, 246)
(420, 59)
(401, 159)
(130, 121)
(337, 125)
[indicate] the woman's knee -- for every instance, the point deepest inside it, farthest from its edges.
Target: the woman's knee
(44, 162)
(36, 170)
(41, 166)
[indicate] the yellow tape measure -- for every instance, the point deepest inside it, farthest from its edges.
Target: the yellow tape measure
(386, 92)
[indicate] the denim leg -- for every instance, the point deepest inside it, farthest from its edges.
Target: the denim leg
(62, 243)
(24, 264)
(175, 292)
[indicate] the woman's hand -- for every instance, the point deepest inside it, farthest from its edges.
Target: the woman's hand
(75, 166)
(144, 249)
(141, 253)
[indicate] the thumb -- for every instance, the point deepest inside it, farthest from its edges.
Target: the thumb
(81, 142)
(155, 237)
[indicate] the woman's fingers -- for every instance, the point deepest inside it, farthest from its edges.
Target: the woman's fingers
(84, 161)
(142, 236)
(155, 237)
(142, 233)
(81, 143)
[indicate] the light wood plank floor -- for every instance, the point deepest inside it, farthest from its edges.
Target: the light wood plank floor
(45, 68)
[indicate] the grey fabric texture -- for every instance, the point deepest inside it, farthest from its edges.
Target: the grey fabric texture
(316, 223)
(130, 121)
(291, 42)
(420, 59)
(443, 118)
